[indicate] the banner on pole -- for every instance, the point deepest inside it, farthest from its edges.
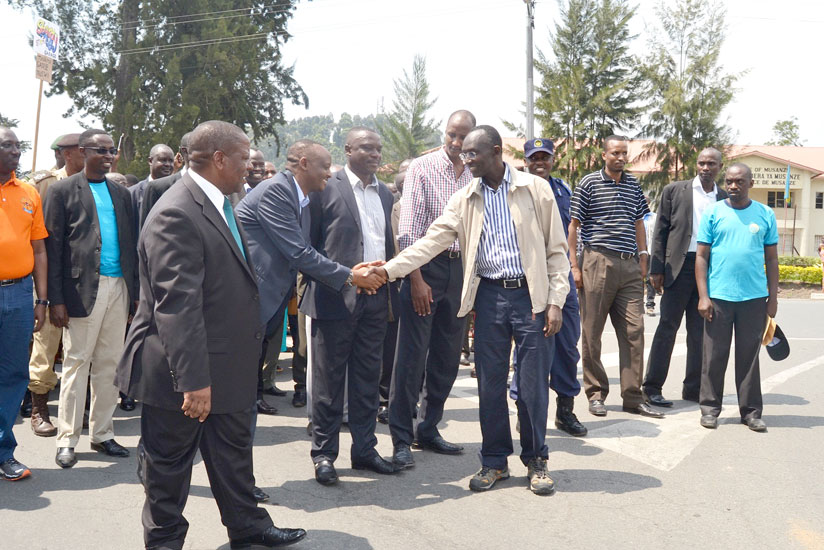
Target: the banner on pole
(43, 71)
(787, 187)
(46, 38)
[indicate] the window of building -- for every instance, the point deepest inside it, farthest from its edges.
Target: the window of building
(819, 200)
(775, 199)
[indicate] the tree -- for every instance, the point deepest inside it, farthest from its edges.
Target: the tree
(785, 132)
(407, 132)
(687, 88)
(154, 70)
(589, 89)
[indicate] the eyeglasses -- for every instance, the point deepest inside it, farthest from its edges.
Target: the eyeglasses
(469, 155)
(102, 150)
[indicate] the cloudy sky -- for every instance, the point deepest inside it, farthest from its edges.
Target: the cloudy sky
(347, 52)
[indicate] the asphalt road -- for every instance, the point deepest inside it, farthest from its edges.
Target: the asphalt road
(631, 483)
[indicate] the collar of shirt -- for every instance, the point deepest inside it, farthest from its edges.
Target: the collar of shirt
(696, 184)
(212, 193)
(354, 180)
(183, 171)
(605, 176)
(12, 180)
(504, 183)
(303, 200)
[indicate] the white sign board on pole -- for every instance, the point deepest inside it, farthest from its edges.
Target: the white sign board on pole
(43, 69)
(46, 38)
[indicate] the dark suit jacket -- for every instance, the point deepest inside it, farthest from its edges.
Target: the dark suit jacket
(197, 324)
(74, 243)
(336, 233)
(279, 246)
(673, 229)
(154, 189)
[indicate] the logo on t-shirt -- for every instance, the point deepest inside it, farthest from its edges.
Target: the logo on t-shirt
(28, 206)
(754, 228)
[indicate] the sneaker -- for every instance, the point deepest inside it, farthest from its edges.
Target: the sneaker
(486, 478)
(13, 470)
(651, 311)
(539, 481)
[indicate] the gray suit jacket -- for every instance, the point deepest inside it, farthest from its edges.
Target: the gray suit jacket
(336, 233)
(279, 247)
(673, 230)
(74, 242)
(197, 324)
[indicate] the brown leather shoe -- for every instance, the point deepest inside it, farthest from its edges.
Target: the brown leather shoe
(40, 421)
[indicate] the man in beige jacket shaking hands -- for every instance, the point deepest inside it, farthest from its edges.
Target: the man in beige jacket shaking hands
(515, 278)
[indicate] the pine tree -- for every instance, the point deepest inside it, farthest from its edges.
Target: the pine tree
(687, 88)
(153, 70)
(407, 131)
(589, 88)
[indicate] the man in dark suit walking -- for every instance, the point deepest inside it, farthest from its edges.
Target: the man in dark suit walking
(351, 223)
(192, 350)
(672, 269)
(155, 188)
(92, 283)
(161, 165)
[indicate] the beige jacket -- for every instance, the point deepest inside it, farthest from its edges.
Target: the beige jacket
(538, 227)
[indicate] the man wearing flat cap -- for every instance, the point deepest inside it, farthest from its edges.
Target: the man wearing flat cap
(42, 378)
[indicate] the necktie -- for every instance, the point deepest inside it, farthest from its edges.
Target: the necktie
(230, 220)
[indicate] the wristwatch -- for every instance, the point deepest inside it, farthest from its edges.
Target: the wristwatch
(350, 280)
(39, 302)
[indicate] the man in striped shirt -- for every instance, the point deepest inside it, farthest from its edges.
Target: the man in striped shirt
(515, 278)
(609, 207)
(430, 332)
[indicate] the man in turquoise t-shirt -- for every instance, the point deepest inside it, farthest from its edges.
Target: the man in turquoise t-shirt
(736, 239)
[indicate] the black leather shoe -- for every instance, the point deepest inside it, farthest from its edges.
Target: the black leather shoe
(26, 406)
(709, 421)
(644, 410)
(270, 538)
(439, 445)
(383, 414)
(274, 391)
(110, 447)
(65, 457)
(260, 496)
(597, 407)
(658, 400)
(402, 457)
(299, 398)
(755, 424)
(325, 472)
(127, 404)
(265, 408)
(375, 463)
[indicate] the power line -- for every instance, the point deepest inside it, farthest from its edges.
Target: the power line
(173, 17)
(208, 42)
(262, 12)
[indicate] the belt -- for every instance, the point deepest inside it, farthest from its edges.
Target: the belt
(519, 282)
(451, 254)
(610, 252)
(9, 282)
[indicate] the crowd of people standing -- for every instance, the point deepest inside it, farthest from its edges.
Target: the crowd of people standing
(197, 268)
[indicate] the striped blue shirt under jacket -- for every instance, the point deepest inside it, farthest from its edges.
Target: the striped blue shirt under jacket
(608, 210)
(499, 256)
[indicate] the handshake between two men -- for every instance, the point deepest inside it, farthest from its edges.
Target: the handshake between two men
(369, 276)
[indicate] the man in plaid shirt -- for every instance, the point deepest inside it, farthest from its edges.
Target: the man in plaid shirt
(430, 332)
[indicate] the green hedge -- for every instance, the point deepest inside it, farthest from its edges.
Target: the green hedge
(799, 261)
(810, 275)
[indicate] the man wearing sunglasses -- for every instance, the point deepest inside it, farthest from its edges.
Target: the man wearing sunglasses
(92, 282)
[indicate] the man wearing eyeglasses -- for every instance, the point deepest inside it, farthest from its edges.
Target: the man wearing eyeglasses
(92, 282)
(516, 278)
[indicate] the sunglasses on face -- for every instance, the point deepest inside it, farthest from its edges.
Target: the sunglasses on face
(102, 150)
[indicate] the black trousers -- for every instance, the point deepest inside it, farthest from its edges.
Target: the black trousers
(168, 444)
(429, 348)
(390, 345)
(679, 298)
(747, 319)
(351, 346)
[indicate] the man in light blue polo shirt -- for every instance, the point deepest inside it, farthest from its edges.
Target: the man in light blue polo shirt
(737, 238)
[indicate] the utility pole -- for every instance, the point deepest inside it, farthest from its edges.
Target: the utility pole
(530, 85)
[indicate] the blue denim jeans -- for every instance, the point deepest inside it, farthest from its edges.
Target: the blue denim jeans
(16, 324)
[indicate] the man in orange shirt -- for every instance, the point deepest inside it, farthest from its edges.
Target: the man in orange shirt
(22, 253)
